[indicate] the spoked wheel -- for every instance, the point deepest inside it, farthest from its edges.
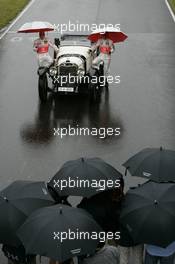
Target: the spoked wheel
(43, 88)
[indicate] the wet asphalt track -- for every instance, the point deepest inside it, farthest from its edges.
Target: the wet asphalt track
(142, 105)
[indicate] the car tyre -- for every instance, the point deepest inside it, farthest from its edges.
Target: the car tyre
(43, 87)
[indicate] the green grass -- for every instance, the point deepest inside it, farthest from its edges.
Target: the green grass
(172, 3)
(9, 10)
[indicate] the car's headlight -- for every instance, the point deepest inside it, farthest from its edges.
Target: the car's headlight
(81, 72)
(53, 71)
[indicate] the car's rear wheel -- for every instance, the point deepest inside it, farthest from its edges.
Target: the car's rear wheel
(43, 88)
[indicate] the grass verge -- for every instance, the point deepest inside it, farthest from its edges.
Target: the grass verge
(9, 9)
(172, 4)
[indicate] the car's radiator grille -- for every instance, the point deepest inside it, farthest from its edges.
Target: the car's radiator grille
(68, 69)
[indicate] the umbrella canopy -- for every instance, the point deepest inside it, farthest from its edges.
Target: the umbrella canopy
(36, 26)
(156, 164)
(55, 231)
(105, 209)
(109, 32)
(17, 201)
(148, 213)
(85, 177)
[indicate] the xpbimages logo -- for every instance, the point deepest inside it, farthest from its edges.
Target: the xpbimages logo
(80, 235)
(76, 182)
(83, 27)
(101, 80)
(101, 132)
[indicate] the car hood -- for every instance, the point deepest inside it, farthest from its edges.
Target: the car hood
(75, 60)
(81, 50)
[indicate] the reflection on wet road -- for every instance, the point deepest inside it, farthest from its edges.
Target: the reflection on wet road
(71, 111)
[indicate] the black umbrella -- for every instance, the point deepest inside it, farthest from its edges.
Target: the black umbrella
(42, 232)
(148, 213)
(105, 208)
(156, 164)
(85, 177)
(17, 201)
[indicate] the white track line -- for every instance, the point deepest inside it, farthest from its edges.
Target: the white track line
(170, 9)
(17, 18)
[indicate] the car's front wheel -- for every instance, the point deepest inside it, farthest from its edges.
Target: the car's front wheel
(43, 88)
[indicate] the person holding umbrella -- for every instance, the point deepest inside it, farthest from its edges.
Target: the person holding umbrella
(164, 255)
(85, 171)
(17, 202)
(42, 44)
(60, 233)
(128, 249)
(155, 164)
(105, 46)
(105, 254)
(105, 208)
(104, 43)
(41, 47)
(148, 215)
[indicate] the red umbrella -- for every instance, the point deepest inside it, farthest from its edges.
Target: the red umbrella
(110, 33)
(36, 26)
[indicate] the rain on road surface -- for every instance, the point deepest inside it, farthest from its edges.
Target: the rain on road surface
(142, 105)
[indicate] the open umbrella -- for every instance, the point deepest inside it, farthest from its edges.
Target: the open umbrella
(36, 26)
(85, 177)
(17, 202)
(156, 164)
(148, 213)
(105, 209)
(59, 232)
(110, 32)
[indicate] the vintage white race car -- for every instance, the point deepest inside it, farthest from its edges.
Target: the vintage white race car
(72, 70)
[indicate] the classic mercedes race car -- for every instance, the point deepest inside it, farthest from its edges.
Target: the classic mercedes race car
(72, 70)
